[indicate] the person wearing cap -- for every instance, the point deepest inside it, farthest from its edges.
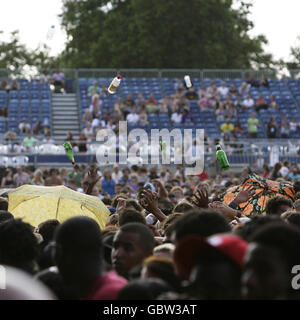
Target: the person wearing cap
(213, 266)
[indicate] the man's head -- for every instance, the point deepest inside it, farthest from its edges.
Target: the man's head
(204, 223)
(132, 244)
(265, 273)
(78, 250)
(47, 229)
(18, 245)
(278, 205)
(253, 115)
(5, 215)
(129, 216)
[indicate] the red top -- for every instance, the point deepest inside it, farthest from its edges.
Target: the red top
(106, 287)
(119, 76)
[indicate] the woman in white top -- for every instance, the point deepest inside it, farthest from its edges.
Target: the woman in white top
(176, 116)
(88, 131)
(38, 178)
(95, 106)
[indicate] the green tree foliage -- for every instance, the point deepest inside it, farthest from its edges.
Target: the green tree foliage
(295, 56)
(161, 34)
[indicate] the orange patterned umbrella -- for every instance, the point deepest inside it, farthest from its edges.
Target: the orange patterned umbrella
(262, 190)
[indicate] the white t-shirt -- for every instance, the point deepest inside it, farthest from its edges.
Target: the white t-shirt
(176, 117)
(284, 171)
(293, 126)
(88, 132)
(132, 118)
(223, 91)
(249, 103)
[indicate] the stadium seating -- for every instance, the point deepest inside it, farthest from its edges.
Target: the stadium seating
(287, 96)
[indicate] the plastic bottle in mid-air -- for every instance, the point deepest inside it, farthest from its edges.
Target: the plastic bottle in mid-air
(51, 32)
(69, 151)
(188, 82)
(114, 84)
(222, 158)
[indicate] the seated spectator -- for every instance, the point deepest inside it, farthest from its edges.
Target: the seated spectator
(178, 85)
(94, 89)
(69, 137)
(143, 118)
(58, 80)
(45, 77)
(38, 178)
(273, 103)
(202, 92)
(120, 109)
(212, 90)
(223, 90)
(238, 103)
(132, 117)
(230, 111)
(238, 130)
(4, 85)
(87, 116)
(220, 113)
(95, 106)
(82, 142)
(8, 179)
(248, 102)
(151, 104)
(204, 103)
(253, 125)
(252, 81)
(263, 81)
(261, 103)
(38, 128)
(191, 94)
(165, 105)
(29, 142)
(284, 127)
(176, 116)
(227, 127)
(244, 89)
(129, 102)
(20, 177)
(293, 125)
(53, 179)
(186, 117)
(233, 91)
(24, 126)
(88, 131)
(140, 101)
(271, 128)
(14, 85)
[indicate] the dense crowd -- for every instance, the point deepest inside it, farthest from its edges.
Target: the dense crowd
(168, 236)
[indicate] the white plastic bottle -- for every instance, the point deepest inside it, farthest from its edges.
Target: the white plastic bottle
(187, 81)
(114, 84)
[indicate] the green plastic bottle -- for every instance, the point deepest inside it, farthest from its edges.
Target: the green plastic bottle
(222, 158)
(69, 151)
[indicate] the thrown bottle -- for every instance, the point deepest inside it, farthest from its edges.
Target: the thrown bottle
(69, 151)
(114, 84)
(222, 158)
(188, 82)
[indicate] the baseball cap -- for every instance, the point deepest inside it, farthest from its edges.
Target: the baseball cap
(187, 249)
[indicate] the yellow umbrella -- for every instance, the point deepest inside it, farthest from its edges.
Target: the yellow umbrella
(35, 204)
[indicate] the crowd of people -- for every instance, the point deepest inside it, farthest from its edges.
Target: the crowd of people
(168, 236)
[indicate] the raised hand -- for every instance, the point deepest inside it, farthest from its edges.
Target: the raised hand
(200, 197)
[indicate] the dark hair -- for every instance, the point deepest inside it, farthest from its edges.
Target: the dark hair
(286, 240)
(274, 203)
(3, 204)
(5, 215)
(294, 219)
(47, 229)
(183, 207)
(146, 236)
(132, 202)
(166, 206)
(249, 228)
(129, 216)
(107, 201)
(296, 186)
(80, 235)
(18, 245)
(204, 223)
(143, 289)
